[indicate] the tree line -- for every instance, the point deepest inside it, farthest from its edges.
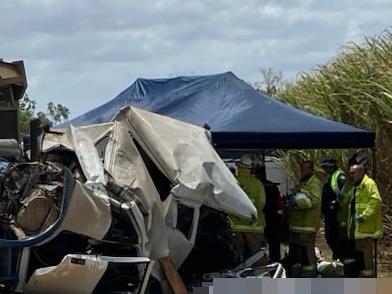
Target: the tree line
(55, 113)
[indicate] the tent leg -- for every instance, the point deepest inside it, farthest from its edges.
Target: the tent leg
(374, 172)
(374, 158)
(375, 258)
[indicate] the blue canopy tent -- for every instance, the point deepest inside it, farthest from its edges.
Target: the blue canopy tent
(239, 117)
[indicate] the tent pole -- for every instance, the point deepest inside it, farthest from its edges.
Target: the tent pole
(374, 163)
(374, 173)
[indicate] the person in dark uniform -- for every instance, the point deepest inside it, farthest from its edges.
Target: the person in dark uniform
(273, 211)
(331, 194)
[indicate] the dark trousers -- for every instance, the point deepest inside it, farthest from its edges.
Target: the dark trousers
(363, 251)
(272, 234)
(301, 250)
(336, 243)
(343, 248)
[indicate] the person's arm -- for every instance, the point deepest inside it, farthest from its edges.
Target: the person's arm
(312, 193)
(374, 202)
(303, 200)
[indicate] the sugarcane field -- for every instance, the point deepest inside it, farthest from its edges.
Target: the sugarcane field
(197, 147)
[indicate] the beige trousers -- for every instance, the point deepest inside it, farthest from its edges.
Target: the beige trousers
(248, 243)
(299, 241)
(366, 247)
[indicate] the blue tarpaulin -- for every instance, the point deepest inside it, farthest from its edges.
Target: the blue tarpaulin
(239, 117)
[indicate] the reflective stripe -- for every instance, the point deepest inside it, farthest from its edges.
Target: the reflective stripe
(308, 268)
(361, 205)
(245, 228)
(302, 229)
(334, 180)
(359, 235)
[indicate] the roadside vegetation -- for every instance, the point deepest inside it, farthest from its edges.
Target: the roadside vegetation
(55, 114)
(355, 88)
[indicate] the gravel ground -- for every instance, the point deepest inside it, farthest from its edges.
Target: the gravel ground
(384, 268)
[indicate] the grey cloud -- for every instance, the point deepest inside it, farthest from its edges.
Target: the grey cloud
(82, 53)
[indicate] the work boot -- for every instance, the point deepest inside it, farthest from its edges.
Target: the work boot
(350, 268)
(366, 274)
(295, 270)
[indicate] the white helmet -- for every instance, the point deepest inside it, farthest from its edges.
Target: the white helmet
(250, 160)
(302, 200)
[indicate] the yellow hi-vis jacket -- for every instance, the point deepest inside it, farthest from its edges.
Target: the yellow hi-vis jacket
(367, 203)
(334, 181)
(304, 216)
(254, 188)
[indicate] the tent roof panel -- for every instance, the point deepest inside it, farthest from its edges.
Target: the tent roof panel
(237, 114)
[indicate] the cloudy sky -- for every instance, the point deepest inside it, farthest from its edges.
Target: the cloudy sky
(83, 53)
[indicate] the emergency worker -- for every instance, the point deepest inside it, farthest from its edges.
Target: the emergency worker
(304, 221)
(330, 205)
(249, 235)
(273, 211)
(365, 219)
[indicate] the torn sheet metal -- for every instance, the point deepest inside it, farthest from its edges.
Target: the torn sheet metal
(88, 157)
(87, 213)
(61, 139)
(185, 155)
(108, 148)
(124, 163)
(75, 274)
